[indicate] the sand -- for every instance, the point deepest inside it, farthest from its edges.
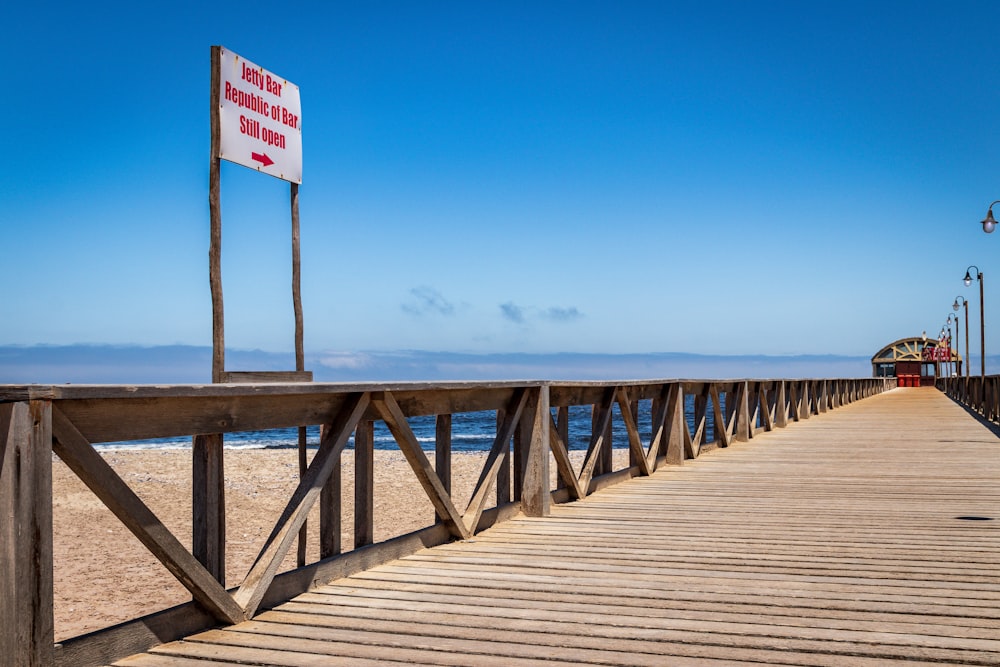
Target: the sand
(103, 574)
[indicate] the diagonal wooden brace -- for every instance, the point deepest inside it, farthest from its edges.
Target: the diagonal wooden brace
(261, 574)
(390, 412)
(78, 454)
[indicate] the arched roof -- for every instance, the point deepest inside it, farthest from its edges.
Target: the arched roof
(908, 349)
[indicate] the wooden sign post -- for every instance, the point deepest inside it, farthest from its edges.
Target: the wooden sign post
(256, 120)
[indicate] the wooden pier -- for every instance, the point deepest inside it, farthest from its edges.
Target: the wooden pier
(864, 535)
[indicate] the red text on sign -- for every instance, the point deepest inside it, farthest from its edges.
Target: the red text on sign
(262, 81)
(246, 100)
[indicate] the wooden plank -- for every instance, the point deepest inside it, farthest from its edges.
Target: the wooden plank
(151, 412)
(262, 572)
(676, 425)
(364, 484)
(442, 455)
(742, 430)
(503, 483)
(263, 377)
(395, 420)
(26, 584)
(208, 504)
(87, 464)
(535, 497)
(781, 407)
(330, 509)
(562, 431)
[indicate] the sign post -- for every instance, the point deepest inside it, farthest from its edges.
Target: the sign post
(256, 119)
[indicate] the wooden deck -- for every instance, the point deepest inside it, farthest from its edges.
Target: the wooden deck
(865, 536)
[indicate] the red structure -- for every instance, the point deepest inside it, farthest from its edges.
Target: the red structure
(916, 362)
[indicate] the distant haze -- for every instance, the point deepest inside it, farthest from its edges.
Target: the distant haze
(182, 364)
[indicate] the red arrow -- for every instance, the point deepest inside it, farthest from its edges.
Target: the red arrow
(264, 160)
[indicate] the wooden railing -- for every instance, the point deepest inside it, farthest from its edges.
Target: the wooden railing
(980, 394)
(532, 431)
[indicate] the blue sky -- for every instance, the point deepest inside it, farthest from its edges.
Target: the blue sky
(770, 178)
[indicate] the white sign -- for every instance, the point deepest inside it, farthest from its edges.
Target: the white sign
(260, 119)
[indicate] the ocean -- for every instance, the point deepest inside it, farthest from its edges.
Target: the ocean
(471, 432)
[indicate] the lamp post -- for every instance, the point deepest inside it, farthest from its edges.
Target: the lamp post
(958, 333)
(982, 316)
(943, 343)
(955, 306)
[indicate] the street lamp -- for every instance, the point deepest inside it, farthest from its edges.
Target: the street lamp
(982, 316)
(989, 222)
(958, 333)
(956, 306)
(951, 359)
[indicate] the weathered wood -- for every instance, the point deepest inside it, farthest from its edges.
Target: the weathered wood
(494, 459)
(208, 504)
(330, 508)
(658, 427)
(395, 420)
(156, 412)
(676, 425)
(742, 413)
(364, 484)
(601, 420)
(263, 377)
(781, 407)
(535, 496)
(766, 407)
(720, 429)
(503, 483)
(80, 457)
(442, 454)
(26, 585)
(807, 572)
(262, 572)
(562, 431)
(564, 466)
(300, 352)
(215, 226)
(303, 460)
(637, 453)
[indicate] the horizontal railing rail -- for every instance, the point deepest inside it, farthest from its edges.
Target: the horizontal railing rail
(979, 394)
(680, 419)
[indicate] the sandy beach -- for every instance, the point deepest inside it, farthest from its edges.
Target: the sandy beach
(103, 575)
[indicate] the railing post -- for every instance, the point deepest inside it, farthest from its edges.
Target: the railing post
(208, 504)
(330, 510)
(742, 413)
(364, 483)
(535, 492)
(26, 603)
(675, 422)
(781, 406)
(442, 455)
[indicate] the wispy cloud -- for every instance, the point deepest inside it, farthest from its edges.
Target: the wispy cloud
(522, 314)
(512, 312)
(427, 300)
(562, 314)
